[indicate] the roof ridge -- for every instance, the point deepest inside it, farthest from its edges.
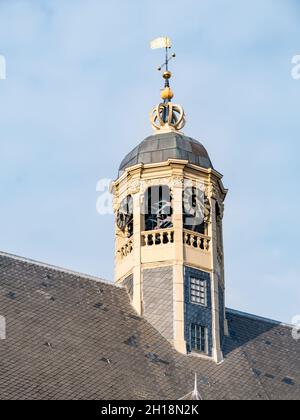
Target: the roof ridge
(55, 268)
(258, 318)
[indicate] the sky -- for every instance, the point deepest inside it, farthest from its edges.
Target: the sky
(80, 83)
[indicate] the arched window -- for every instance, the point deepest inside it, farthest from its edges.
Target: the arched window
(125, 216)
(195, 208)
(158, 208)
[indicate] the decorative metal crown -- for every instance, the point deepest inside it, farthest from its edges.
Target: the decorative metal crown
(167, 117)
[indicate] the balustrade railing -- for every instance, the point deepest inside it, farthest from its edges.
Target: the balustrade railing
(158, 237)
(196, 240)
(165, 237)
(126, 249)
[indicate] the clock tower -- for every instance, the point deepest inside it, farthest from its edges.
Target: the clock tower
(168, 203)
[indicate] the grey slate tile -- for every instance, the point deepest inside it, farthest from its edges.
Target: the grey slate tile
(69, 349)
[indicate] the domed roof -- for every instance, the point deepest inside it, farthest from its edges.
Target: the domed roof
(161, 147)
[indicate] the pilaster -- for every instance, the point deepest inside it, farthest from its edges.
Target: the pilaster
(179, 315)
(217, 351)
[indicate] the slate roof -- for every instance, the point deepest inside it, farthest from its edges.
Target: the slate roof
(161, 147)
(70, 336)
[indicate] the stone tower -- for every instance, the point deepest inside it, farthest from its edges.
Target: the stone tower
(168, 203)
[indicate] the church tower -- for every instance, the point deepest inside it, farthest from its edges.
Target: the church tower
(168, 203)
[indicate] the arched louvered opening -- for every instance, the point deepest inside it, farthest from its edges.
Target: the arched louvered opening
(158, 208)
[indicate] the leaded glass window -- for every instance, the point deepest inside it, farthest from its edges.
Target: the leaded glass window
(198, 338)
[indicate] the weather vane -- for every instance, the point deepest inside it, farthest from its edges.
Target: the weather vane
(165, 43)
(166, 116)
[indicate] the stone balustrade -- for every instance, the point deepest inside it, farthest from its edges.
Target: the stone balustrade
(158, 237)
(126, 249)
(165, 237)
(196, 240)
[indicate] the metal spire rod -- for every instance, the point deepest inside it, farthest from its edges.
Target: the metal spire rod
(166, 112)
(166, 63)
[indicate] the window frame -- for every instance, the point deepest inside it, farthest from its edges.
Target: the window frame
(198, 339)
(205, 304)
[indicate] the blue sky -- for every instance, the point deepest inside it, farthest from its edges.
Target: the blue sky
(81, 81)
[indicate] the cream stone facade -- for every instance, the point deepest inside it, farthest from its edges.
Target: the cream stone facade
(174, 247)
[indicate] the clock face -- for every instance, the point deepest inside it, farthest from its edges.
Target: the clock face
(125, 215)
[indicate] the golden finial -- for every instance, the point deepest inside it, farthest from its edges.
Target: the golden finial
(167, 75)
(167, 94)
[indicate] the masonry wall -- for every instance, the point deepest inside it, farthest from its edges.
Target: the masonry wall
(222, 313)
(128, 285)
(158, 299)
(195, 313)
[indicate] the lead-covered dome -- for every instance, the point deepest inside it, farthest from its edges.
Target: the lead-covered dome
(161, 147)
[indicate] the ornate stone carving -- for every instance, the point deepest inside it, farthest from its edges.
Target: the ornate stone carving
(116, 204)
(207, 210)
(155, 183)
(134, 186)
(177, 182)
(212, 192)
